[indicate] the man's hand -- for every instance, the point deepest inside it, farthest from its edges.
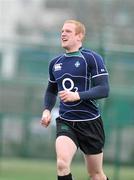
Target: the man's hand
(69, 96)
(46, 118)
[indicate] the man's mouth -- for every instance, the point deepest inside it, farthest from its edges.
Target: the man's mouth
(64, 39)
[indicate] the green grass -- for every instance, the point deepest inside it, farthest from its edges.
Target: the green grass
(23, 169)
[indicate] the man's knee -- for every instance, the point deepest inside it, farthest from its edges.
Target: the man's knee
(62, 165)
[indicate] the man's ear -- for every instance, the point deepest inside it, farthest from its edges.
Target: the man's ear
(80, 37)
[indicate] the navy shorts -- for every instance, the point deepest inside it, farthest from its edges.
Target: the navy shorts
(89, 136)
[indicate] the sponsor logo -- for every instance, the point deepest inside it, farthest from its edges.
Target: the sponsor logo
(102, 70)
(57, 67)
(71, 85)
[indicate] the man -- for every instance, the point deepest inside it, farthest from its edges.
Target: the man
(78, 77)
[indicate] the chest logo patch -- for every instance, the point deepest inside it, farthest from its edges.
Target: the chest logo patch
(57, 67)
(77, 64)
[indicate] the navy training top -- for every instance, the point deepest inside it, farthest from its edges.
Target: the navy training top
(76, 72)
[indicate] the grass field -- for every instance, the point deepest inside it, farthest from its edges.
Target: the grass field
(23, 169)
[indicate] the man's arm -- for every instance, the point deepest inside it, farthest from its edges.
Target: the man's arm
(49, 102)
(50, 96)
(99, 89)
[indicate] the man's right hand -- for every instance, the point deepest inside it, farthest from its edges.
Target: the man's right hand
(46, 118)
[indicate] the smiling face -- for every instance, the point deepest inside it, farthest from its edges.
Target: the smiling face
(71, 40)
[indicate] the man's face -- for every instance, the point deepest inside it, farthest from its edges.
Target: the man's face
(69, 38)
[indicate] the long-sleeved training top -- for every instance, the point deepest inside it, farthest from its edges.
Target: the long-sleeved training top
(83, 71)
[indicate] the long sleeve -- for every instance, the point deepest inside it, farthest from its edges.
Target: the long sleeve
(99, 89)
(50, 96)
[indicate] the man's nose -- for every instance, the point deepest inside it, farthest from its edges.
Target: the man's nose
(63, 33)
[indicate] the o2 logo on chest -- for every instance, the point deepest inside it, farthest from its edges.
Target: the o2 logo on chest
(68, 85)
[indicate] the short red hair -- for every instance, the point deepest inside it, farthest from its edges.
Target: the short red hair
(80, 28)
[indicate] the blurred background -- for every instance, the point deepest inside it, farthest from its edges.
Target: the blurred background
(29, 39)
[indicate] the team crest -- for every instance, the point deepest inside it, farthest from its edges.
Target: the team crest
(77, 64)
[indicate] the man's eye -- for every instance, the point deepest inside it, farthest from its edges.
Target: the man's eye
(68, 31)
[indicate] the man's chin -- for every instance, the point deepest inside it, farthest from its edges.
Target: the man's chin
(65, 47)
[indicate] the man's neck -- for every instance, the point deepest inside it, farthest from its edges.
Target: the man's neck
(75, 49)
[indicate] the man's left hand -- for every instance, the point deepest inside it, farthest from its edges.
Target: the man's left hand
(69, 96)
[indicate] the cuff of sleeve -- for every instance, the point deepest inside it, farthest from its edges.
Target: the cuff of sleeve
(81, 95)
